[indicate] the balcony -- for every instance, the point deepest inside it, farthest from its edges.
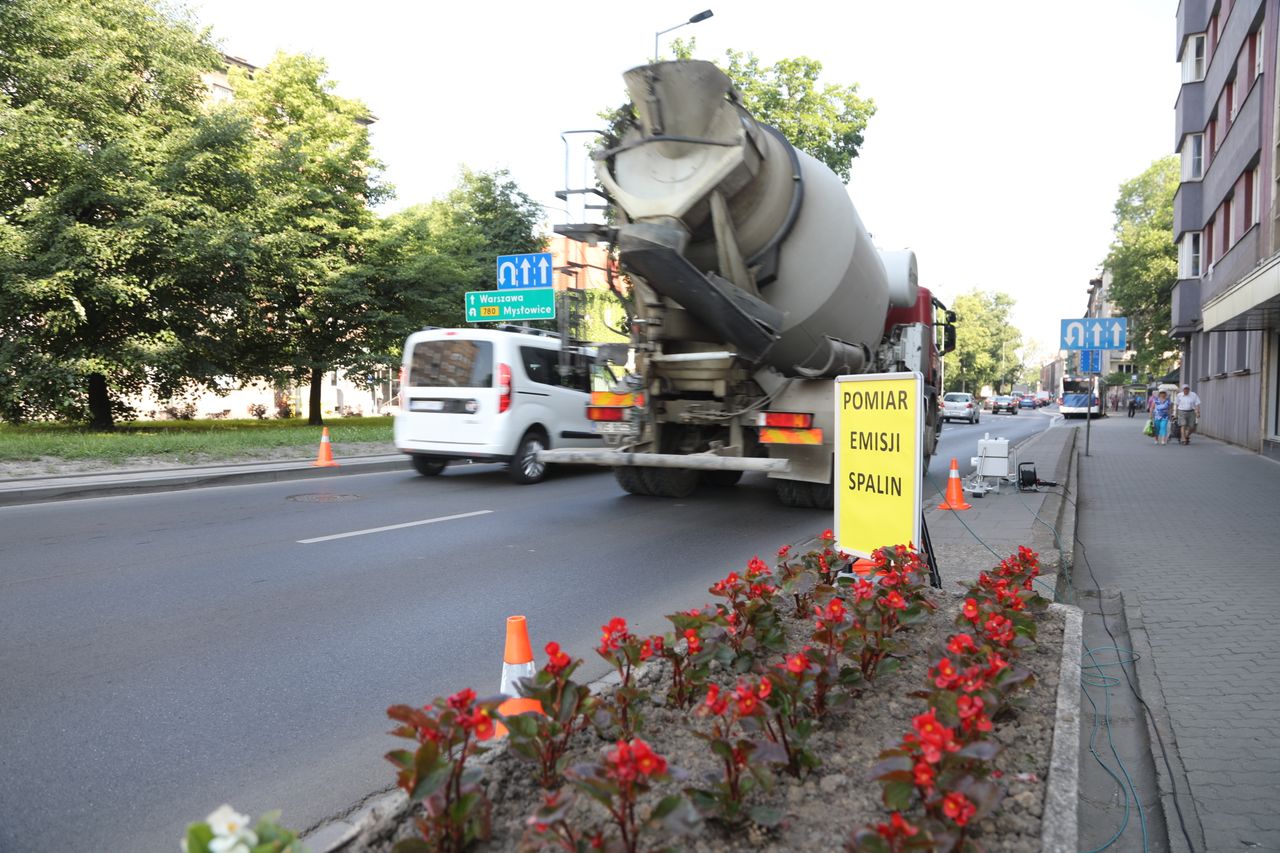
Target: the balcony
(1193, 17)
(1237, 263)
(1186, 307)
(1189, 112)
(1243, 142)
(1188, 208)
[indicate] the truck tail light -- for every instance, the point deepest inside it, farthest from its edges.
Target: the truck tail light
(504, 388)
(605, 413)
(789, 420)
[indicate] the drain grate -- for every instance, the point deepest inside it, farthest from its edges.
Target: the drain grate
(322, 498)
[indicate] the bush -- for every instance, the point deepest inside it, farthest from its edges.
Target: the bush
(258, 410)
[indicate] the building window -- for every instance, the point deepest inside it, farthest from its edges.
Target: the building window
(1212, 132)
(1189, 255)
(1193, 58)
(1226, 224)
(1255, 52)
(1219, 353)
(1255, 184)
(1193, 157)
(1249, 199)
(1229, 100)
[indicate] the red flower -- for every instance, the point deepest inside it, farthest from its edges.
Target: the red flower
(558, 660)
(462, 700)
(960, 643)
(784, 550)
(970, 610)
(482, 723)
(833, 612)
(647, 762)
(748, 703)
(765, 688)
(613, 635)
(894, 601)
(924, 775)
(896, 828)
(650, 647)
(714, 703)
(796, 664)
(933, 737)
(995, 663)
(957, 807)
(692, 640)
(863, 590)
(827, 536)
(756, 567)
(946, 675)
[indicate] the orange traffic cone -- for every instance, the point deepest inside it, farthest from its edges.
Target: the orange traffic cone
(955, 493)
(325, 457)
(517, 663)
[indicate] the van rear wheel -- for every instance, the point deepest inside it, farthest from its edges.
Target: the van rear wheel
(524, 468)
(428, 466)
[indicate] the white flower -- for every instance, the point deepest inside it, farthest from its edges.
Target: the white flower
(231, 832)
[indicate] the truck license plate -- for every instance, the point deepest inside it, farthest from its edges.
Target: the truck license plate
(616, 428)
(426, 405)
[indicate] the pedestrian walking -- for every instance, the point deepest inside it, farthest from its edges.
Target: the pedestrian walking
(1161, 409)
(1115, 402)
(1133, 405)
(1187, 404)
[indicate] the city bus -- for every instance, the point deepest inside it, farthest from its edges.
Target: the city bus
(1077, 401)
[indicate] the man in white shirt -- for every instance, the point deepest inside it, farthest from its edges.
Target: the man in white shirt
(1188, 405)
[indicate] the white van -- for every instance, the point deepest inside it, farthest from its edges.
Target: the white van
(490, 395)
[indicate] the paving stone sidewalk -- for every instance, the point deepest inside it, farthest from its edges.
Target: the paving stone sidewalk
(1189, 534)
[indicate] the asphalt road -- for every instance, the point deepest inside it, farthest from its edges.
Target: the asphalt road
(960, 440)
(163, 654)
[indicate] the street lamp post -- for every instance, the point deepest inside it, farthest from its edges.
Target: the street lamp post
(701, 16)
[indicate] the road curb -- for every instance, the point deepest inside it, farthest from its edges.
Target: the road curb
(80, 486)
(1059, 822)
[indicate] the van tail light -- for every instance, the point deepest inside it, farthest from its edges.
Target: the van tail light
(968, 405)
(504, 388)
(402, 376)
(606, 413)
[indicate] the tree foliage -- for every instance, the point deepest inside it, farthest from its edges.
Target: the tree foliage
(988, 347)
(1143, 262)
(101, 133)
(316, 177)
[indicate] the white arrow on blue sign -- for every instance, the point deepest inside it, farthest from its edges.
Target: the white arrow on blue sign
(532, 270)
(1095, 333)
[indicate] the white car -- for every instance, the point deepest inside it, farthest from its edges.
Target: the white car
(959, 406)
(489, 395)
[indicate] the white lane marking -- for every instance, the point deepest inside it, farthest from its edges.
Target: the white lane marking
(394, 526)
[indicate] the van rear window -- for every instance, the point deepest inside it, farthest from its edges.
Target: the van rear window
(452, 364)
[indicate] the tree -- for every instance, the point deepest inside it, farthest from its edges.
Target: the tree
(316, 178)
(827, 123)
(100, 106)
(1143, 263)
(987, 345)
(425, 258)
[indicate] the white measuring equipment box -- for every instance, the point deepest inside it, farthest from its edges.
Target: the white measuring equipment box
(993, 458)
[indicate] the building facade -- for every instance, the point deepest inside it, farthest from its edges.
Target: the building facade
(1226, 303)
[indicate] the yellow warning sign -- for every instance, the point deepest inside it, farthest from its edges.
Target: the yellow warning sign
(879, 429)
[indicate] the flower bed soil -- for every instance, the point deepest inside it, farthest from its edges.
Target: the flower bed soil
(820, 810)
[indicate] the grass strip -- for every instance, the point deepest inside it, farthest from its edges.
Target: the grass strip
(181, 440)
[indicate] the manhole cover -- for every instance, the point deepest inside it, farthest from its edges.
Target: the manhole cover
(322, 498)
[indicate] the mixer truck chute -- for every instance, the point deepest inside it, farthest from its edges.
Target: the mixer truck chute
(755, 284)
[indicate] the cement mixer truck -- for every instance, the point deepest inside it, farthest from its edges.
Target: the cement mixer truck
(754, 285)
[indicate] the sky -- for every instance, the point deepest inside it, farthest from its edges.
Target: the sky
(1002, 134)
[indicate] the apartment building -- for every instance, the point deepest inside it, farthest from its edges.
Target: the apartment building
(1226, 303)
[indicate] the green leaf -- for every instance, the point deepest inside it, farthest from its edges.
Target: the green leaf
(198, 837)
(413, 845)
(765, 815)
(898, 796)
(887, 666)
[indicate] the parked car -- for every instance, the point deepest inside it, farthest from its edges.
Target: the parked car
(490, 395)
(1004, 403)
(1027, 402)
(960, 406)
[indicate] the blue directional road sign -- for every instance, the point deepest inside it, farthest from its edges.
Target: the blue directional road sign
(1090, 361)
(1095, 333)
(497, 306)
(532, 270)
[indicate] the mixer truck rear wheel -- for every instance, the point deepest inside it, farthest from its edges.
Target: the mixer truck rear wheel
(794, 493)
(670, 482)
(721, 478)
(630, 481)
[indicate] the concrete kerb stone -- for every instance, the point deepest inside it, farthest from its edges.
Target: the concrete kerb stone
(1173, 787)
(107, 483)
(1059, 821)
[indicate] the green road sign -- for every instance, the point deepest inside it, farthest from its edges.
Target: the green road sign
(498, 306)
